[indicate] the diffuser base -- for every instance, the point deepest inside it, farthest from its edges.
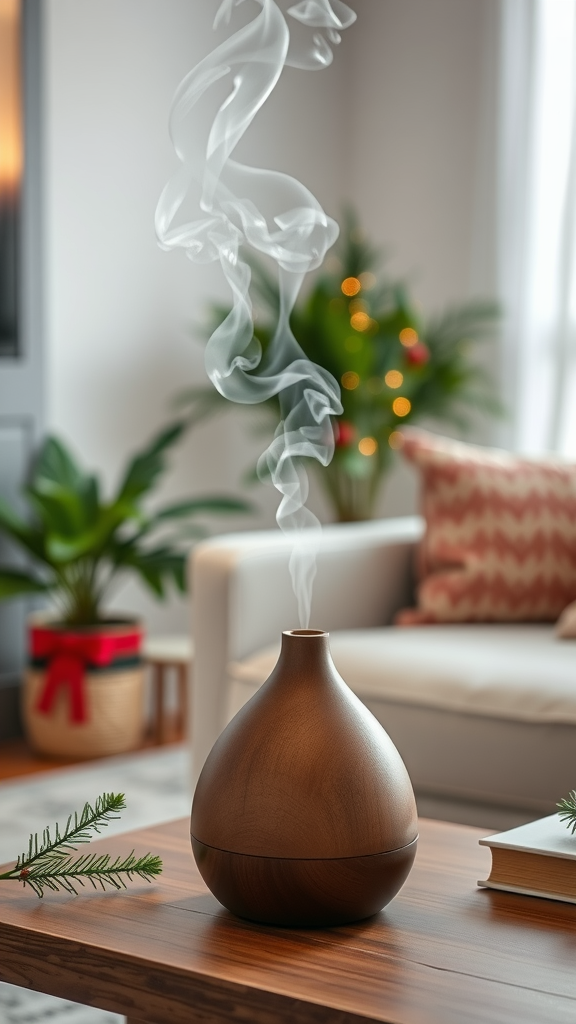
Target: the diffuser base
(303, 893)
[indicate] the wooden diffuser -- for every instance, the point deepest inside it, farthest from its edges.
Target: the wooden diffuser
(304, 813)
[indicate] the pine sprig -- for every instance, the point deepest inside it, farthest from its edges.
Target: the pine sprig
(77, 830)
(98, 869)
(49, 864)
(567, 811)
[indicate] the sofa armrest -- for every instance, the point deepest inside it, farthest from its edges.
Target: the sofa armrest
(242, 599)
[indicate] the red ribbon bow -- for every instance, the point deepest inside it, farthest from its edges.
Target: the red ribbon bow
(69, 655)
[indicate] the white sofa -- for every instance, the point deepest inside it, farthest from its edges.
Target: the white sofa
(483, 715)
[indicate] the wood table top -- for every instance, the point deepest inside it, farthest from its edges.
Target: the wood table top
(443, 952)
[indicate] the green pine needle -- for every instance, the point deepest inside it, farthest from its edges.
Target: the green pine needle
(49, 864)
(77, 830)
(567, 811)
(98, 869)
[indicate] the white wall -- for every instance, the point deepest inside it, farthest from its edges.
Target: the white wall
(420, 127)
(392, 125)
(416, 107)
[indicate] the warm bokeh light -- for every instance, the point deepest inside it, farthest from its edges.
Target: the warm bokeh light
(350, 380)
(360, 321)
(11, 148)
(368, 446)
(394, 379)
(396, 440)
(357, 306)
(408, 337)
(354, 343)
(401, 406)
(351, 286)
(367, 280)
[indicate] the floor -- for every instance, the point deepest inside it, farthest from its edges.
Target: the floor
(18, 759)
(155, 782)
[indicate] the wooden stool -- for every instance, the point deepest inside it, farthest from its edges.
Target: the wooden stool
(162, 654)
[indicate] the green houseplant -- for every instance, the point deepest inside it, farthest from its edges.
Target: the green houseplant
(394, 367)
(82, 691)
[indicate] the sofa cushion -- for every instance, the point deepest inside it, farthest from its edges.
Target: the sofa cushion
(500, 542)
(520, 672)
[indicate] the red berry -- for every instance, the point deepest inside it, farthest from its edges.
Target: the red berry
(344, 433)
(418, 355)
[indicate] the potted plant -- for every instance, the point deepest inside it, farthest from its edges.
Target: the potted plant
(82, 692)
(394, 367)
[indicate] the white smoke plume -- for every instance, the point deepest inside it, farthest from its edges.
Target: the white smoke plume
(275, 215)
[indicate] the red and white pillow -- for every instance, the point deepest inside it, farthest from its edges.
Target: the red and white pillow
(500, 542)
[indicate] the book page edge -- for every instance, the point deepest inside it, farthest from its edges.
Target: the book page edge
(487, 884)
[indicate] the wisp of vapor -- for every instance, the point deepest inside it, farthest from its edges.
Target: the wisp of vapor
(270, 212)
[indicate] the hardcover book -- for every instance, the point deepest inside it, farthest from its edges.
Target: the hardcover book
(537, 859)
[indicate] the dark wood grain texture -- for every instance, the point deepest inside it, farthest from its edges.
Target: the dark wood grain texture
(298, 892)
(303, 782)
(443, 952)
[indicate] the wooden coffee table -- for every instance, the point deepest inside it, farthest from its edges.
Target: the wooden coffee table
(444, 952)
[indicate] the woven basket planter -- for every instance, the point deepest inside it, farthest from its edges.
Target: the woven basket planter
(83, 693)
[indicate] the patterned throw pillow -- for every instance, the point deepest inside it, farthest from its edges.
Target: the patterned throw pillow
(500, 542)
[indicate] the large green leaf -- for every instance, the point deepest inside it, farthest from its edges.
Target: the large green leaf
(156, 567)
(56, 464)
(65, 498)
(183, 511)
(29, 537)
(202, 506)
(63, 550)
(60, 512)
(94, 540)
(14, 583)
(147, 465)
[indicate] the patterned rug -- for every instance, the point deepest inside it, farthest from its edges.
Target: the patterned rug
(156, 785)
